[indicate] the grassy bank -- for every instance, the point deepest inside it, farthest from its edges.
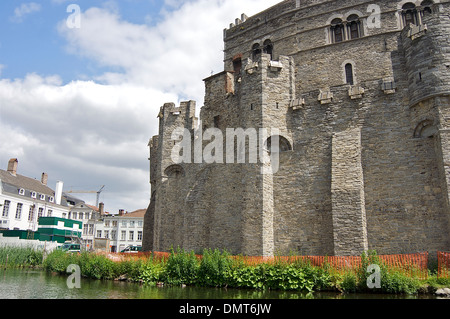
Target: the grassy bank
(217, 269)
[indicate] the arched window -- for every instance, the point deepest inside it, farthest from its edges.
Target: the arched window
(268, 47)
(349, 74)
(283, 144)
(409, 14)
(337, 30)
(426, 7)
(354, 27)
(425, 129)
(174, 171)
(256, 51)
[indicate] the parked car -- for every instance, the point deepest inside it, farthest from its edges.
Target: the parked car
(70, 248)
(132, 249)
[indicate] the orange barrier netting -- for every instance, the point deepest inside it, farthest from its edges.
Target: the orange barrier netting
(414, 265)
(443, 264)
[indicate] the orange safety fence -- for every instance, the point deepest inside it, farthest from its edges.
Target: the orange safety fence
(414, 265)
(443, 264)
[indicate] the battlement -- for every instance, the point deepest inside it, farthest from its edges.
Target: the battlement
(170, 114)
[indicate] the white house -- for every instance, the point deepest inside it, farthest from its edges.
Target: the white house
(24, 199)
(122, 230)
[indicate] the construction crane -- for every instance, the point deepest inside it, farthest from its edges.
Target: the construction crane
(90, 192)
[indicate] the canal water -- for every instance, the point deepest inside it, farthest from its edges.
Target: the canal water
(36, 284)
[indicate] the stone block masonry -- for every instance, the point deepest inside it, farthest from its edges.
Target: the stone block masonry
(359, 94)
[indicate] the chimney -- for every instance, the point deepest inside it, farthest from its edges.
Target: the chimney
(44, 178)
(101, 208)
(12, 166)
(121, 212)
(58, 192)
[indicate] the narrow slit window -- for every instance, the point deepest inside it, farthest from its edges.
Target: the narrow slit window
(349, 74)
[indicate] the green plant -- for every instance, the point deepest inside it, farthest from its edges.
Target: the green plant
(214, 268)
(181, 268)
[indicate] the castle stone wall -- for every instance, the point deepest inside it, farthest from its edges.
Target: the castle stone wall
(363, 165)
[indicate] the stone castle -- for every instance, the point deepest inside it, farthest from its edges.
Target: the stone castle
(359, 94)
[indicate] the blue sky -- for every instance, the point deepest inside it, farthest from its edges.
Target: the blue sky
(81, 103)
(30, 41)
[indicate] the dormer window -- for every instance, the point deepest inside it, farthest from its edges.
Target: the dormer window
(42, 197)
(51, 199)
(33, 194)
(21, 191)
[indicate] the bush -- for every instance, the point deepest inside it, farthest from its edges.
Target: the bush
(181, 268)
(214, 269)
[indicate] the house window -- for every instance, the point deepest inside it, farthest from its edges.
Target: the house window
(131, 235)
(31, 213)
(123, 235)
(132, 223)
(107, 234)
(113, 234)
(40, 212)
(114, 223)
(139, 236)
(349, 74)
(19, 211)
(99, 234)
(140, 223)
(85, 229)
(49, 213)
(6, 208)
(74, 215)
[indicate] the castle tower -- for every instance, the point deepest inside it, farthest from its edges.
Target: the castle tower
(426, 49)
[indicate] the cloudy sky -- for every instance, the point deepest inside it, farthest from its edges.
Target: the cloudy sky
(79, 94)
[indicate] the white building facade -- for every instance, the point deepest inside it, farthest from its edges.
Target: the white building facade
(123, 230)
(23, 200)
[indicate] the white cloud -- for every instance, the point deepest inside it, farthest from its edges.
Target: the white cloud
(175, 55)
(25, 9)
(93, 133)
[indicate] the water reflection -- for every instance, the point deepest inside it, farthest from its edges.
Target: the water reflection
(32, 284)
